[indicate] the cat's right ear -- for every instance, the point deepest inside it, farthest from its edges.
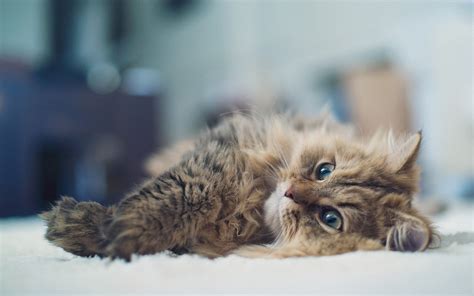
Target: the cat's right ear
(403, 154)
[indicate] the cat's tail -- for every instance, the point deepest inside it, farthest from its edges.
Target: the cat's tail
(78, 227)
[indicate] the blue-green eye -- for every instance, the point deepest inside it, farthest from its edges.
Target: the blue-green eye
(331, 218)
(324, 170)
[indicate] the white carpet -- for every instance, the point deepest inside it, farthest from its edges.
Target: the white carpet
(30, 265)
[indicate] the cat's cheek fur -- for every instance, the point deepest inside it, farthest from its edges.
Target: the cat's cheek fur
(271, 214)
(273, 208)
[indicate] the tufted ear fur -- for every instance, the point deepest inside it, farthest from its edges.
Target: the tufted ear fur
(409, 235)
(403, 154)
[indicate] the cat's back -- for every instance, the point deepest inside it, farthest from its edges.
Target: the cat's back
(236, 131)
(220, 156)
(248, 131)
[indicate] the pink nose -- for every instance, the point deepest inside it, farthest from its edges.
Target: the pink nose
(289, 194)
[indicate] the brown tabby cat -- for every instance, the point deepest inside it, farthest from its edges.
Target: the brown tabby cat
(260, 187)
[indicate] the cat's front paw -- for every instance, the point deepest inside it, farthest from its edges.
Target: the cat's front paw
(130, 234)
(124, 239)
(75, 226)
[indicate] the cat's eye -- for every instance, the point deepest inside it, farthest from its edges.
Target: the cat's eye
(331, 218)
(323, 171)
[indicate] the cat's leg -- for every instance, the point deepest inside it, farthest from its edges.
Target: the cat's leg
(163, 214)
(77, 227)
(166, 213)
(171, 210)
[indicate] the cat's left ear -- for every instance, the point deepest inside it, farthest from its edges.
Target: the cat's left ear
(403, 154)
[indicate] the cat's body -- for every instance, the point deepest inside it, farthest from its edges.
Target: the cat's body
(250, 181)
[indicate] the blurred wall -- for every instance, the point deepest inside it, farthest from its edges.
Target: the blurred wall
(240, 44)
(284, 46)
(215, 49)
(23, 29)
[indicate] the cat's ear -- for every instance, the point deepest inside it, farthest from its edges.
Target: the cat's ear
(403, 154)
(409, 235)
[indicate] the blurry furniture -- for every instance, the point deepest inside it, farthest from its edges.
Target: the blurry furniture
(57, 137)
(377, 96)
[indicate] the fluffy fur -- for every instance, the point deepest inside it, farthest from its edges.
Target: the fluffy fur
(225, 193)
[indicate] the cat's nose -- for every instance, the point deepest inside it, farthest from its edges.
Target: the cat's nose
(289, 193)
(292, 194)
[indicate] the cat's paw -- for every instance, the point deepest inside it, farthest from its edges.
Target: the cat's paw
(75, 226)
(123, 241)
(128, 235)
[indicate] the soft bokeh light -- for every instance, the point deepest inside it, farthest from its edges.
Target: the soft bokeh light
(89, 89)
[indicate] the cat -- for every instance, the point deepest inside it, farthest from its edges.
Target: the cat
(260, 186)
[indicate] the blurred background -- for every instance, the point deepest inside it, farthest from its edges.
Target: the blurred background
(89, 89)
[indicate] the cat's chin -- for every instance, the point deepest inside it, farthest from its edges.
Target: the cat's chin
(274, 207)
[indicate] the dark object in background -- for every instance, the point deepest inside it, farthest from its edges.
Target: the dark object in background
(370, 92)
(177, 8)
(68, 128)
(57, 137)
(54, 161)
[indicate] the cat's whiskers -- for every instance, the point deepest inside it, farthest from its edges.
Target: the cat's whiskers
(283, 157)
(270, 168)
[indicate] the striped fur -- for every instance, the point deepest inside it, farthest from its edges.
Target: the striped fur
(218, 195)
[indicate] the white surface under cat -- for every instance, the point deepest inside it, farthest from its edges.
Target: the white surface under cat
(30, 265)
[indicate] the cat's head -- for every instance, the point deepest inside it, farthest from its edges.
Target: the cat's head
(336, 185)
